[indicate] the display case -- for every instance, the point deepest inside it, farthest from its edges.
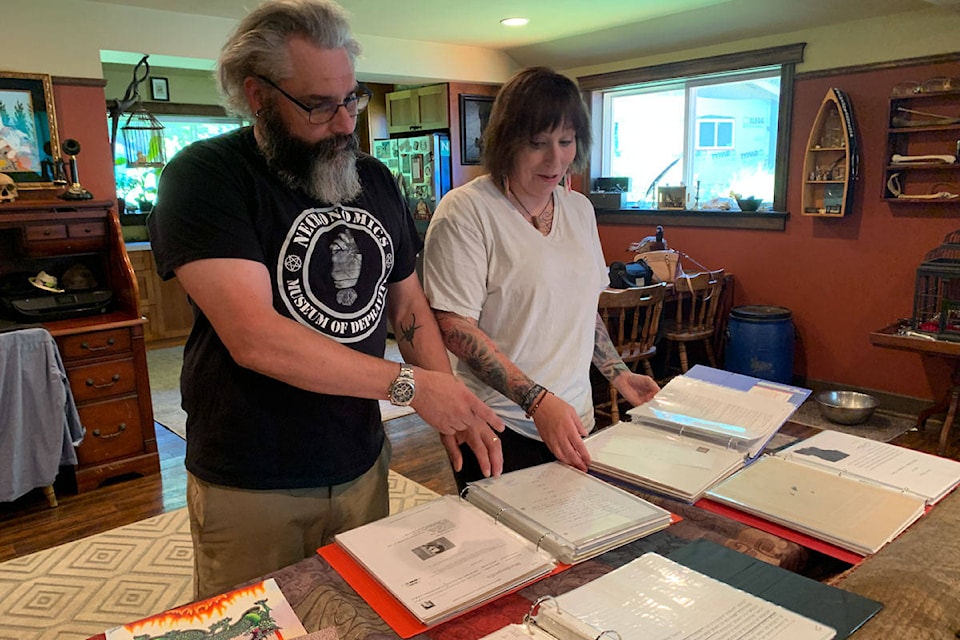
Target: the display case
(96, 324)
(831, 163)
(923, 145)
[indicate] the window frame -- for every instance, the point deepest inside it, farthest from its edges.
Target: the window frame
(786, 57)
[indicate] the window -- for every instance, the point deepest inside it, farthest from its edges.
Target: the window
(138, 186)
(714, 125)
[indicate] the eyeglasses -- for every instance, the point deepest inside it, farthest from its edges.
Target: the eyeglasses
(326, 111)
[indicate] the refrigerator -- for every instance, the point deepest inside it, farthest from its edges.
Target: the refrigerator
(421, 166)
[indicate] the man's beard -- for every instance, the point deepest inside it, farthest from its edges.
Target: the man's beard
(326, 170)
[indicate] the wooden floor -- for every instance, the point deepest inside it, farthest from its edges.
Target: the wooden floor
(28, 524)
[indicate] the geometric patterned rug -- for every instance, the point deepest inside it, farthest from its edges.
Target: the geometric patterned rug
(84, 587)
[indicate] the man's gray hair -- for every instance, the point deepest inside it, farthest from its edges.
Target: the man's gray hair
(258, 45)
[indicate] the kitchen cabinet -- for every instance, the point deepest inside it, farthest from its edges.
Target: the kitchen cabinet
(923, 142)
(102, 347)
(419, 109)
(163, 304)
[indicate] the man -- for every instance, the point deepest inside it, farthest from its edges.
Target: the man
(295, 249)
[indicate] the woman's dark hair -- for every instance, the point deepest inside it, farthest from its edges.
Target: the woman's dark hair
(534, 100)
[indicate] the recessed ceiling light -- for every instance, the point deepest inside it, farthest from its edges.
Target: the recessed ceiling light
(514, 22)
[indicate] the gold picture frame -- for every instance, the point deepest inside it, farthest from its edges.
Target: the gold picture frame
(29, 144)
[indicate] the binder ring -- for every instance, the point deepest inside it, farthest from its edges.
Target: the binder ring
(535, 607)
(608, 632)
(463, 494)
(496, 518)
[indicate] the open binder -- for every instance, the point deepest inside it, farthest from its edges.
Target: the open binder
(426, 565)
(655, 598)
(700, 428)
(843, 511)
(851, 492)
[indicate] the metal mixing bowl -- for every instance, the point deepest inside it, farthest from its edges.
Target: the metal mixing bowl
(846, 407)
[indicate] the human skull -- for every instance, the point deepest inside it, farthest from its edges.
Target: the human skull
(8, 188)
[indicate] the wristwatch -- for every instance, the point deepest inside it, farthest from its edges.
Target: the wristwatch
(403, 388)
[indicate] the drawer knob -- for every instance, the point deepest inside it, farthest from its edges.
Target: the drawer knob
(120, 429)
(86, 345)
(113, 381)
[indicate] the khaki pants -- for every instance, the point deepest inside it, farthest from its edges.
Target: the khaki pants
(241, 534)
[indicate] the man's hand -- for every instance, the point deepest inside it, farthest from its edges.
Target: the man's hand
(635, 388)
(448, 406)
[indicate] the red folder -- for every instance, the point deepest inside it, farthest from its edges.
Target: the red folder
(404, 623)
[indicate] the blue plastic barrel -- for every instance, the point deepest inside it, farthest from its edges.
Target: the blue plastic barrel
(760, 342)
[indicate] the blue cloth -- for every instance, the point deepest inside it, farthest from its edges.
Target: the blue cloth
(39, 423)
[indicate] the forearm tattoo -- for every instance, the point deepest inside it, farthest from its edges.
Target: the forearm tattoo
(483, 358)
(407, 332)
(605, 356)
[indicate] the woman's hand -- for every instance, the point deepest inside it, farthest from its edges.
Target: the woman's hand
(561, 430)
(635, 388)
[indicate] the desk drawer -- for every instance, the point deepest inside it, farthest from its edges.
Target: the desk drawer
(95, 344)
(93, 229)
(113, 430)
(102, 380)
(40, 232)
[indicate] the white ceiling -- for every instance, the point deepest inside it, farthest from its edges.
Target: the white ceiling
(571, 33)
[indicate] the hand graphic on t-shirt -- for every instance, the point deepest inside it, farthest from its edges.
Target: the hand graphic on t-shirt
(346, 267)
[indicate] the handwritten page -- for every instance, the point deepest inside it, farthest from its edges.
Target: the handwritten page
(553, 502)
(443, 557)
(655, 598)
(923, 474)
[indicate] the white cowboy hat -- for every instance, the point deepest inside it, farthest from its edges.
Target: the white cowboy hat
(45, 281)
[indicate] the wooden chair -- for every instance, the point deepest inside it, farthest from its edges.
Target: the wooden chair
(632, 317)
(698, 300)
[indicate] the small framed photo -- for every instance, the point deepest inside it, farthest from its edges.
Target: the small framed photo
(474, 115)
(159, 90)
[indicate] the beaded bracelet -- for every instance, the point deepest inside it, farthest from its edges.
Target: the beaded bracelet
(536, 403)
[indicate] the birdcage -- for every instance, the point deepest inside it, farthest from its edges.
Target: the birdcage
(143, 140)
(936, 298)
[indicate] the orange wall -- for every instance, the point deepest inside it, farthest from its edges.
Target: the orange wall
(82, 115)
(841, 277)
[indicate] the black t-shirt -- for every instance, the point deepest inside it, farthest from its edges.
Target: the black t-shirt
(218, 199)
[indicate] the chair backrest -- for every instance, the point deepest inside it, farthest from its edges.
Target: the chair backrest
(632, 317)
(698, 299)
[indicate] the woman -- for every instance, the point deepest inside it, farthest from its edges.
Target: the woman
(513, 269)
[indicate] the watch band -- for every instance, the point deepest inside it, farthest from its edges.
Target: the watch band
(403, 388)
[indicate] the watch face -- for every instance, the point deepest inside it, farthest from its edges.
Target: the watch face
(402, 393)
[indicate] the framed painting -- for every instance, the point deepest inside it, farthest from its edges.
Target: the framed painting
(474, 115)
(29, 146)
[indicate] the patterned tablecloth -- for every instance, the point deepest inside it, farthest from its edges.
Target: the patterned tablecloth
(322, 599)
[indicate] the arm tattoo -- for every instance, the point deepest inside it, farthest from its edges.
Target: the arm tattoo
(467, 342)
(605, 355)
(406, 332)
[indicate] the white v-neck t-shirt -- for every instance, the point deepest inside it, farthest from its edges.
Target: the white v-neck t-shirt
(534, 295)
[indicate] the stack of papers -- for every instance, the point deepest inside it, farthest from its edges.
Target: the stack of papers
(566, 512)
(443, 557)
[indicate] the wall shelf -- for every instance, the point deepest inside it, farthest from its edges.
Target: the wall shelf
(831, 162)
(923, 124)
